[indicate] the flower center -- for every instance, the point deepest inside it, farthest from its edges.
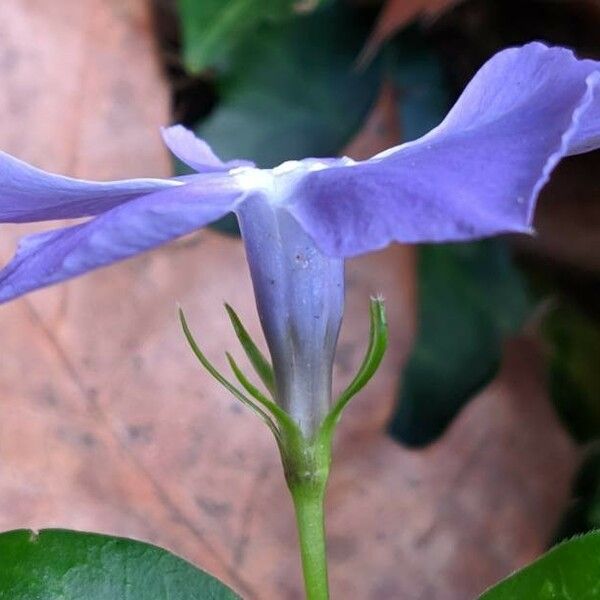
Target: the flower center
(278, 183)
(252, 179)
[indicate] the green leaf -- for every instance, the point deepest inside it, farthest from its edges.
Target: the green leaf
(570, 571)
(471, 298)
(418, 77)
(574, 338)
(583, 513)
(294, 90)
(211, 28)
(67, 565)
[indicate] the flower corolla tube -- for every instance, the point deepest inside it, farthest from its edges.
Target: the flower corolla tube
(477, 174)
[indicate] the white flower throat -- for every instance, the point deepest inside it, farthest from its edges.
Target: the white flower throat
(279, 182)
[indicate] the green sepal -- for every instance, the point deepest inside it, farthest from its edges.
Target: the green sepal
(267, 418)
(280, 415)
(378, 340)
(261, 365)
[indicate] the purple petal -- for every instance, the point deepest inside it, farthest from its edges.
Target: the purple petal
(46, 258)
(586, 130)
(196, 153)
(477, 174)
(29, 194)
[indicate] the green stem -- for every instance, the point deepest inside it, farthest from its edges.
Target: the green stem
(306, 463)
(310, 519)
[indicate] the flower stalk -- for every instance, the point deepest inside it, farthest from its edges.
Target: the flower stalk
(306, 457)
(310, 520)
(306, 463)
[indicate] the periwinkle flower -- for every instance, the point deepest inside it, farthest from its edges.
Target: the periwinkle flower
(477, 174)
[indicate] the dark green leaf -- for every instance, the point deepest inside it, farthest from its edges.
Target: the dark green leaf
(574, 369)
(471, 297)
(418, 77)
(583, 514)
(570, 571)
(67, 565)
(211, 28)
(294, 90)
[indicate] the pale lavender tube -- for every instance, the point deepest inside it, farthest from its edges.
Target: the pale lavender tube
(300, 299)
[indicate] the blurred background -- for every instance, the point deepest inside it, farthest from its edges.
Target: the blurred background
(475, 447)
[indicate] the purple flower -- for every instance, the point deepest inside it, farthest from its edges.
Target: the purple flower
(477, 174)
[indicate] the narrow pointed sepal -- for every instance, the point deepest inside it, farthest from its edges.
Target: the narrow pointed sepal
(238, 394)
(261, 365)
(378, 340)
(283, 419)
(277, 420)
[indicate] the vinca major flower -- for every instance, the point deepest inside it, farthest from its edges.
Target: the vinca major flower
(477, 174)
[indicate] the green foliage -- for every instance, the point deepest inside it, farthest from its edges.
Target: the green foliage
(574, 338)
(294, 90)
(570, 571)
(67, 565)
(471, 297)
(212, 28)
(418, 78)
(583, 514)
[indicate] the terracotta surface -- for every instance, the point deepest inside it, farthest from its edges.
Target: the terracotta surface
(107, 422)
